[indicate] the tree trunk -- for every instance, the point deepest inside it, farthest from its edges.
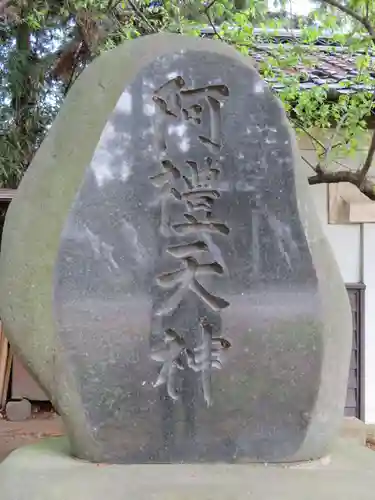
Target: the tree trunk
(21, 92)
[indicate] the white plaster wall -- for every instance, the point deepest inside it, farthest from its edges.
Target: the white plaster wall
(369, 280)
(344, 239)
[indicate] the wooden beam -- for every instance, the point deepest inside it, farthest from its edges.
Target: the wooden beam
(4, 352)
(6, 381)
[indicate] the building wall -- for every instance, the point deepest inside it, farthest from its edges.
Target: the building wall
(369, 280)
(354, 248)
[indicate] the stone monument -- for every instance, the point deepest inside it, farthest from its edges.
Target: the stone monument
(163, 273)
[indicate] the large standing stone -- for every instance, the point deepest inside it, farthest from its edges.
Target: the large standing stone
(163, 231)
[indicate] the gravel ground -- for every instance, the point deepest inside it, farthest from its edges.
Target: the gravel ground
(16, 434)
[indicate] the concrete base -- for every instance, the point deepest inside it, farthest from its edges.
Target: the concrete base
(45, 471)
(352, 428)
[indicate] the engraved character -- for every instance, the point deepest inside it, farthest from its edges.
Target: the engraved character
(164, 181)
(207, 356)
(171, 357)
(199, 193)
(186, 278)
(188, 104)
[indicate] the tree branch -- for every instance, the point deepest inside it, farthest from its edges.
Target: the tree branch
(352, 13)
(142, 16)
(210, 4)
(322, 164)
(338, 162)
(208, 15)
(266, 51)
(73, 69)
(309, 163)
(318, 168)
(367, 187)
(367, 165)
(304, 130)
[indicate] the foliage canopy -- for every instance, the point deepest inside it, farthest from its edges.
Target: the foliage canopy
(45, 44)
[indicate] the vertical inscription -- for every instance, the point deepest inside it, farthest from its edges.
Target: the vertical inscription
(194, 185)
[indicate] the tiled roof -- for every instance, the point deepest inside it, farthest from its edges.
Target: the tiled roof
(337, 70)
(328, 64)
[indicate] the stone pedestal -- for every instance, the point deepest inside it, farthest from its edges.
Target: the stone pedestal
(46, 472)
